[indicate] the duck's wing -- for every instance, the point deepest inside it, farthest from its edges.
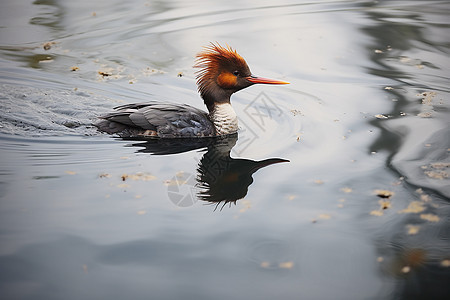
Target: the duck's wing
(158, 120)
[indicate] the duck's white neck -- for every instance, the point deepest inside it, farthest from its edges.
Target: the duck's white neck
(224, 118)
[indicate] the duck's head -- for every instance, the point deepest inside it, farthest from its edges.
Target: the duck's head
(222, 72)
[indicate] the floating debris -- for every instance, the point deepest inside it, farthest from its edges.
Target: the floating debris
(377, 213)
(384, 193)
(123, 185)
(296, 112)
(413, 207)
(430, 217)
(346, 190)
(70, 172)
(437, 174)
(247, 205)
(384, 204)
(324, 216)
(104, 73)
(104, 175)
(412, 229)
(406, 269)
(286, 265)
(427, 114)
(48, 45)
(437, 170)
(74, 68)
(380, 116)
(174, 182)
(428, 98)
(138, 176)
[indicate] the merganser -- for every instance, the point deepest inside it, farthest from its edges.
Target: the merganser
(222, 72)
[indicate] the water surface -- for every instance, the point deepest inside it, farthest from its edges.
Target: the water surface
(359, 212)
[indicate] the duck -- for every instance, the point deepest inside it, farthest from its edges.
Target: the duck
(221, 73)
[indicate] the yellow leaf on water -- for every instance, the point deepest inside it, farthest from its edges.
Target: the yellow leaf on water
(70, 172)
(291, 197)
(439, 174)
(413, 207)
(346, 190)
(286, 265)
(425, 198)
(412, 229)
(377, 213)
(141, 212)
(123, 185)
(265, 264)
(430, 217)
(138, 176)
(324, 216)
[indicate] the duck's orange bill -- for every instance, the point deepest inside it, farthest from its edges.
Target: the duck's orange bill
(254, 79)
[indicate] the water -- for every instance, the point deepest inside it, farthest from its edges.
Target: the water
(85, 215)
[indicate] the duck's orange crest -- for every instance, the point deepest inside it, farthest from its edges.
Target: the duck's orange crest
(214, 59)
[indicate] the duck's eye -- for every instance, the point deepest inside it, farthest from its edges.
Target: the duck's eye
(236, 73)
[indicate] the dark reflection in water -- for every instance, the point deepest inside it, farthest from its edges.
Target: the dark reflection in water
(52, 16)
(413, 259)
(220, 178)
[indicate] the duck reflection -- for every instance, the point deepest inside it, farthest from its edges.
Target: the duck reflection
(220, 178)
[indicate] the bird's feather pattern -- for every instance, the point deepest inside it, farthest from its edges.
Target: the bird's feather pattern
(167, 120)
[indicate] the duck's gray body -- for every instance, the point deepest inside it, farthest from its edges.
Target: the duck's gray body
(155, 119)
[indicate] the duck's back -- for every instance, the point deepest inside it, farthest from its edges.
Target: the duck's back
(155, 119)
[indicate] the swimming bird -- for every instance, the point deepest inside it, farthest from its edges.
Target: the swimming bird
(222, 72)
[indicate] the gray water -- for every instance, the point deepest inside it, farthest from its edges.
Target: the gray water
(360, 211)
